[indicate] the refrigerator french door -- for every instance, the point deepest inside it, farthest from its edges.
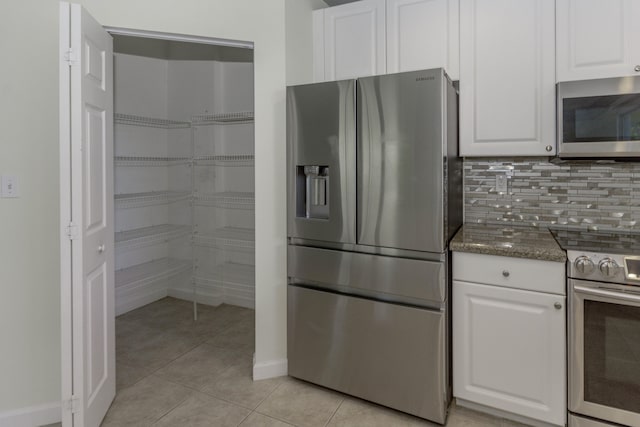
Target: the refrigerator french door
(373, 198)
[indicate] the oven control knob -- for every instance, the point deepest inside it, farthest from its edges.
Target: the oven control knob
(584, 265)
(608, 267)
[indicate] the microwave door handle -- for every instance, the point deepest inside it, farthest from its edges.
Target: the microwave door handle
(628, 297)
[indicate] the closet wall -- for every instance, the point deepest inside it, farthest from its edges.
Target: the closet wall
(183, 181)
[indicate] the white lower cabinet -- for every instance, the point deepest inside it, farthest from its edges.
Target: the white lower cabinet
(509, 349)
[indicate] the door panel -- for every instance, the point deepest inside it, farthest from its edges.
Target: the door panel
(401, 159)
(423, 34)
(509, 350)
(90, 178)
(321, 133)
(507, 78)
(596, 38)
(94, 149)
(354, 40)
(96, 334)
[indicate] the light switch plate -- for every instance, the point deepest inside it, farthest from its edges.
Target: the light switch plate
(9, 186)
(502, 183)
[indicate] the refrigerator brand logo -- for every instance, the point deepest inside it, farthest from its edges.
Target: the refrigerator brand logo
(422, 79)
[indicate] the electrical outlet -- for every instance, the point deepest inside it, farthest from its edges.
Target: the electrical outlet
(502, 183)
(9, 186)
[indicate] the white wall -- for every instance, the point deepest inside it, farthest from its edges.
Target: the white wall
(29, 244)
(29, 235)
(299, 39)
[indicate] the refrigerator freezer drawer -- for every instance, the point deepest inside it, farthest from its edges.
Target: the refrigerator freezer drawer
(412, 281)
(390, 354)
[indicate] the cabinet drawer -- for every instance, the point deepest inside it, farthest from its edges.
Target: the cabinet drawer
(517, 273)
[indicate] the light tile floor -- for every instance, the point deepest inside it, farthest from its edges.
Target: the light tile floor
(172, 371)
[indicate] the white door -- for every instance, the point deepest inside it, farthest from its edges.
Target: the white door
(354, 40)
(597, 39)
(509, 350)
(507, 78)
(423, 34)
(86, 130)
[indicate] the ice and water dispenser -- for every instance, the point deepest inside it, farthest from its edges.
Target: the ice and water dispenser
(312, 192)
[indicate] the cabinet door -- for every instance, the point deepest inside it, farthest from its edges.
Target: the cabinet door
(507, 77)
(597, 38)
(354, 40)
(509, 350)
(423, 34)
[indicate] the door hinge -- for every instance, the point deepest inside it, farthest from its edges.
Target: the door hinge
(73, 405)
(72, 231)
(70, 56)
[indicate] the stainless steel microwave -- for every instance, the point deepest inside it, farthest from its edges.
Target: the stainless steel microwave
(599, 118)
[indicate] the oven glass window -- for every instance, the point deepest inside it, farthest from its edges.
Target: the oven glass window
(612, 355)
(601, 118)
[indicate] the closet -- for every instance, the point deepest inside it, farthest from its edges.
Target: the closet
(184, 175)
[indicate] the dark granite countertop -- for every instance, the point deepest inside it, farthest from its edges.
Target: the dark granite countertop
(518, 242)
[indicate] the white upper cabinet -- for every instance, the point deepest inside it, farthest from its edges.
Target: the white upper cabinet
(372, 37)
(352, 41)
(423, 34)
(597, 39)
(507, 77)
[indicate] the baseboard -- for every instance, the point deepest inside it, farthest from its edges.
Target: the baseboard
(270, 369)
(127, 303)
(239, 301)
(502, 414)
(187, 294)
(32, 416)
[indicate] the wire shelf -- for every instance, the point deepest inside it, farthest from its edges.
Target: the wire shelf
(135, 200)
(222, 118)
(148, 236)
(226, 236)
(142, 274)
(225, 160)
(226, 199)
(131, 119)
(150, 161)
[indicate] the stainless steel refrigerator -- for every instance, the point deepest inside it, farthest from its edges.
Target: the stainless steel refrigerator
(374, 195)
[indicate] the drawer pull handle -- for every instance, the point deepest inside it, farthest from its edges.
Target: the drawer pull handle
(557, 306)
(505, 273)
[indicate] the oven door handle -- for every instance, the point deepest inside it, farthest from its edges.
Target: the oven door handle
(622, 296)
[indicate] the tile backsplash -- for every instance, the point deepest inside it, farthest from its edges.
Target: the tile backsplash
(576, 194)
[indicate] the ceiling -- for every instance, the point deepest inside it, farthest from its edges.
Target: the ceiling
(337, 2)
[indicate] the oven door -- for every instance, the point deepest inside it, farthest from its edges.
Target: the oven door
(604, 351)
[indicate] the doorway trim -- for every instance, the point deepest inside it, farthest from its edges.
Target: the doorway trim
(66, 267)
(178, 37)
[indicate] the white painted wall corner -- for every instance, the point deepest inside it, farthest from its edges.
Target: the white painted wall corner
(270, 369)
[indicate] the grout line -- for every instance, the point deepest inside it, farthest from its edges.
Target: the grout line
(192, 388)
(334, 412)
(171, 410)
(245, 418)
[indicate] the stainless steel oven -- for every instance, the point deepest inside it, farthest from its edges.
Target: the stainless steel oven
(604, 351)
(599, 118)
(603, 282)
